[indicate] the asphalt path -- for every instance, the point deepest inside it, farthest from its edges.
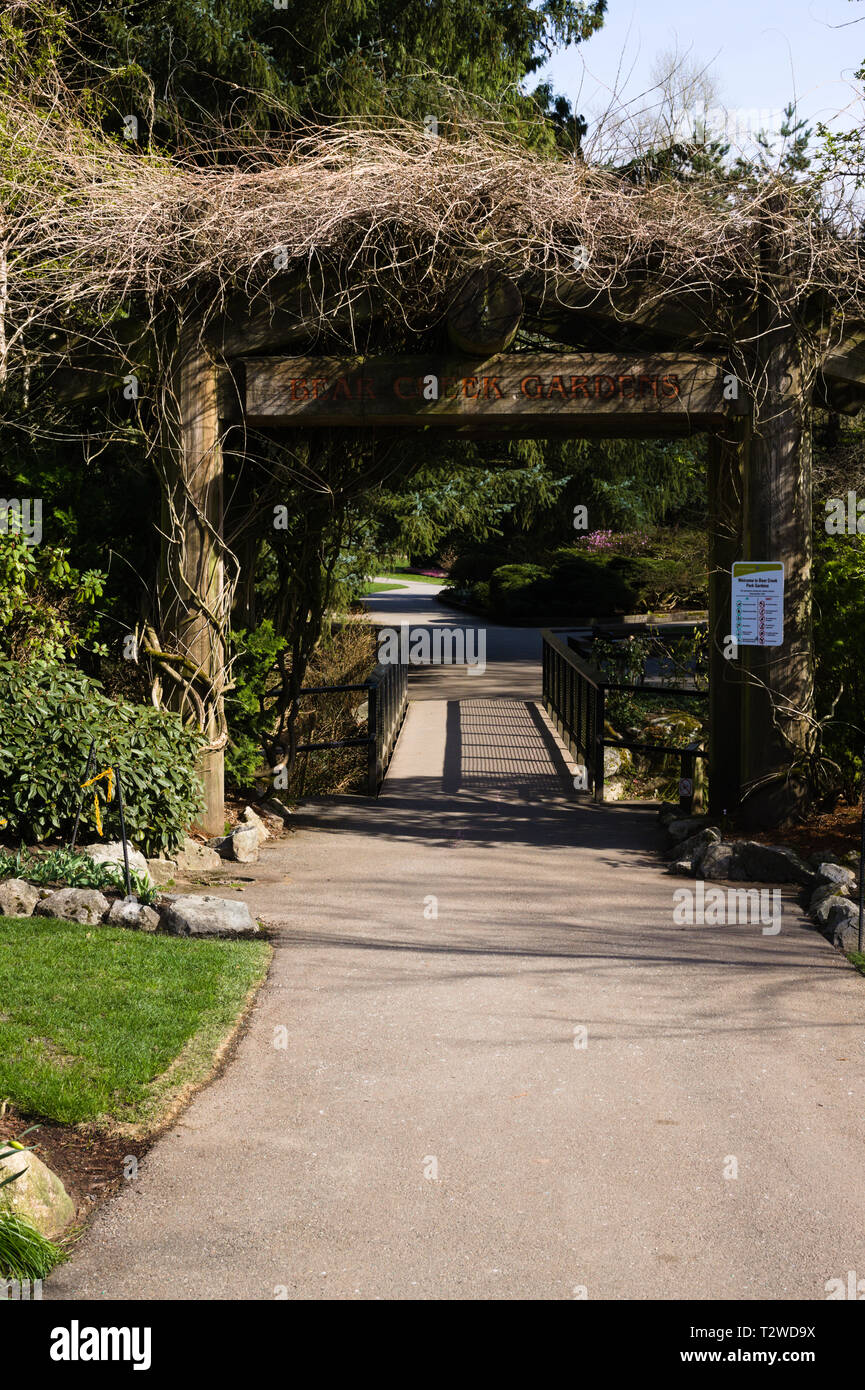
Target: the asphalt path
(487, 1062)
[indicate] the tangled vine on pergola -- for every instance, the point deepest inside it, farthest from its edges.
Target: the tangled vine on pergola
(118, 263)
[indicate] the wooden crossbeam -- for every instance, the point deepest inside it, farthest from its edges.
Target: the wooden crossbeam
(551, 389)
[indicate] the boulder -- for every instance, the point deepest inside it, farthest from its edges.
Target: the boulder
(692, 846)
(38, 1196)
(768, 864)
(616, 760)
(112, 853)
(715, 861)
(250, 818)
(17, 898)
(195, 858)
(275, 808)
(203, 915)
(75, 905)
(835, 874)
(162, 871)
(241, 845)
(823, 909)
(843, 922)
(686, 826)
(614, 791)
(825, 891)
(674, 727)
(682, 867)
(129, 912)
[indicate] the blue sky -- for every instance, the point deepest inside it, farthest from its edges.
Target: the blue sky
(760, 52)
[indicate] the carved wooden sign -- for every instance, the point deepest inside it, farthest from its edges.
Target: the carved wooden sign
(505, 389)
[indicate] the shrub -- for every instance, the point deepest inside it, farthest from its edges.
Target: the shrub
(518, 592)
(48, 716)
(44, 602)
(839, 636)
(587, 586)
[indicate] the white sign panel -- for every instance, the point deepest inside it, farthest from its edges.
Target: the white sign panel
(758, 603)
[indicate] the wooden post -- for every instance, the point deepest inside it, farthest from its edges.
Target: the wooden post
(725, 675)
(778, 687)
(194, 600)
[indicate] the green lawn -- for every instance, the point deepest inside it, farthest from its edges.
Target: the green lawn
(380, 588)
(406, 576)
(91, 1018)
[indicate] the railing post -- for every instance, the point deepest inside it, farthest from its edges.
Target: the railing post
(372, 747)
(599, 744)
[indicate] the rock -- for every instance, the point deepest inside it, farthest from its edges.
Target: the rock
(276, 808)
(824, 891)
(75, 905)
(129, 912)
(38, 1196)
(691, 847)
(843, 922)
(112, 853)
(162, 871)
(195, 858)
(675, 726)
(682, 867)
(614, 791)
(614, 760)
(203, 915)
(667, 812)
(835, 874)
(241, 845)
(768, 864)
(17, 898)
(250, 818)
(715, 861)
(683, 828)
(823, 910)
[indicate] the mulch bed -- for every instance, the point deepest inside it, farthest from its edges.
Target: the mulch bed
(835, 831)
(89, 1164)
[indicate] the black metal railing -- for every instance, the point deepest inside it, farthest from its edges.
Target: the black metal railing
(386, 691)
(574, 695)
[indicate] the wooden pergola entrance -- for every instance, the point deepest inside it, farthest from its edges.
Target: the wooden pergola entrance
(761, 702)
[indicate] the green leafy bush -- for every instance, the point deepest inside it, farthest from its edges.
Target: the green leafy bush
(517, 591)
(48, 715)
(254, 672)
(44, 602)
(839, 639)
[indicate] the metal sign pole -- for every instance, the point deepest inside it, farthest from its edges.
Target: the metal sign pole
(87, 772)
(123, 836)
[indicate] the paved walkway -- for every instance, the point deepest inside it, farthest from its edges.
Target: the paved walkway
(432, 1131)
